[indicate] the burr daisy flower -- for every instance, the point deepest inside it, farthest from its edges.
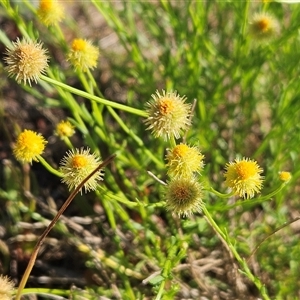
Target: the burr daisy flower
(168, 115)
(184, 196)
(243, 177)
(50, 12)
(263, 27)
(77, 165)
(83, 55)
(64, 129)
(285, 176)
(29, 146)
(184, 161)
(26, 61)
(6, 288)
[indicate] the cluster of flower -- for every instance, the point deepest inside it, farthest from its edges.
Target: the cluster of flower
(27, 60)
(75, 166)
(169, 117)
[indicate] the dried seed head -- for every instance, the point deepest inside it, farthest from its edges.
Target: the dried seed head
(184, 196)
(6, 288)
(169, 115)
(263, 27)
(26, 61)
(77, 165)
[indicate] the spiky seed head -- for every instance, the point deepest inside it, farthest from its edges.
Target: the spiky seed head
(76, 165)
(263, 27)
(6, 288)
(168, 115)
(184, 196)
(26, 61)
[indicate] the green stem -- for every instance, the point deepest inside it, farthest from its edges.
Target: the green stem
(221, 195)
(46, 291)
(161, 290)
(48, 167)
(94, 84)
(68, 142)
(109, 212)
(83, 94)
(172, 142)
(251, 201)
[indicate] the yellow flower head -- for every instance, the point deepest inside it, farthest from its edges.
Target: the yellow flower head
(263, 27)
(50, 12)
(243, 177)
(26, 61)
(184, 196)
(169, 115)
(83, 55)
(28, 146)
(285, 176)
(183, 161)
(6, 288)
(77, 165)
(64, 129)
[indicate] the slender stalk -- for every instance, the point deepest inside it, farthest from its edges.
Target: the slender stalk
(68, 142)
(48, 167)
(161, 290)
(46, 291)
(221, 195)
(172, 142)
(78, 92)
(249, 202)
(52, 224)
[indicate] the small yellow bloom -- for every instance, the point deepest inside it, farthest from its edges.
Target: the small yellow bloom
(50, 12)
(28, 146)
(184, 196)
(77, 165)
(243, 177)
(285, 176)
(26, 61)
(169, 115)
(83, 55)
(6, 288)
(183, 161)
(64, 129)
(264, 27)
